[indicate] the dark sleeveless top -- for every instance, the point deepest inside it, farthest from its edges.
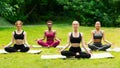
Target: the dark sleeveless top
(98, 35)
(75, 39)
(19, 36)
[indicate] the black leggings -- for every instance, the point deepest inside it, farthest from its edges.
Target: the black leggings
(72, 52)
(17, 48)
(99, 46)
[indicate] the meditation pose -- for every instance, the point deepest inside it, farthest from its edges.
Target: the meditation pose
(97, 36)
(74, 40)
(19, 37)
(50, 36)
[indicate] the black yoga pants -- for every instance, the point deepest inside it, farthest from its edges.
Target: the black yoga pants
(72, 52)
(17, 48)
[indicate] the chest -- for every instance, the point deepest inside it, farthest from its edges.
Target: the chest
(50, 34)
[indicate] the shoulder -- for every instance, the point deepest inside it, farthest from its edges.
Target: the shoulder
(69, 33)
(24, 32)
(93, 31)
(13, 32)
(102, 31)
(54, 31)
(46, 31)
(81, 33)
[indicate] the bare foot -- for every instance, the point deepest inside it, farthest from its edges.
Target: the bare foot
(77, 53)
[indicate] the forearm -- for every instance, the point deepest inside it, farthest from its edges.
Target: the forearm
(66, 46)
(85, 48)
(57, 39)
(8, 45)
(42, 39)
(26, 44)
(90, 41)
(107, 41)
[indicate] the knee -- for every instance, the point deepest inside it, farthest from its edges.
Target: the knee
(63, 52)
(39, 41)
(109, 45)
(89, 55)
(58, 42)
(6, 48)
(89, 45)
(25, 49)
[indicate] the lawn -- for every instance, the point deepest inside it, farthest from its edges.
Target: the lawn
(24, 60)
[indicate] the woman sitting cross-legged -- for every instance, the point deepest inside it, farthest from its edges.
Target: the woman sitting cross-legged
(74, 40)
(19, 37)
(97, 36)
(50, 36)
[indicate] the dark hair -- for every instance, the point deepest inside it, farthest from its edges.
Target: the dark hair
(49, 21)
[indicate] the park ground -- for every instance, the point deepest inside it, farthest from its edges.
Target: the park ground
(24, 60)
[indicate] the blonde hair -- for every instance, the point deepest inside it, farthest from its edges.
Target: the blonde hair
(18, 21)
(75, 22)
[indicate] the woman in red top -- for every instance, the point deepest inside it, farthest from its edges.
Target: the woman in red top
(50, 36)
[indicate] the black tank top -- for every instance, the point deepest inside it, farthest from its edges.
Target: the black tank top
(98, 35)
(19, 36)
(75, 39)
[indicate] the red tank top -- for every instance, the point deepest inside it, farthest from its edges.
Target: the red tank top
(50, 35)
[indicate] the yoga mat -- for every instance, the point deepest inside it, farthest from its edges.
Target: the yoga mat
(101, 55)
(38, 46)
(93, 56)
(116, 49)
(52, 56)
(30, 51)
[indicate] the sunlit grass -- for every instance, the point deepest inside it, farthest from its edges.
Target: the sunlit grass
(24, 60)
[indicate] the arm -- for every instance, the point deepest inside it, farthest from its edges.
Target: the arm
(104, 39)
(68, 44)
(25, 40)
(83, 44)
(43, 36)
(91, 40)
(56, 37)
(12, 41)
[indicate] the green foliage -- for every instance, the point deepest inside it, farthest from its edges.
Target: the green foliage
(85, 11)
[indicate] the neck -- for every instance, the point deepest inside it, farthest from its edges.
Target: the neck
(75, 31)
(97, 29)
(49, 29)
(19, 29)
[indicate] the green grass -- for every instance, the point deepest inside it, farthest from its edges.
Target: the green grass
(24, 60)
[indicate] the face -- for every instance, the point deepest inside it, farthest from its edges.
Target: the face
(18, 25)
(75, 24)
(97, 25)
(49, 25)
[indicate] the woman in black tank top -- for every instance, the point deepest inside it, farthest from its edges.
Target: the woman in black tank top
(19, 37)
(74, 40)
(97, 36)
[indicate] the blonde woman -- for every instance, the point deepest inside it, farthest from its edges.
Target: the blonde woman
(18, 39)
(74, 40)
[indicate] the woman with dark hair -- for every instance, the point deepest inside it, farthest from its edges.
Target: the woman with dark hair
(97, 36)
(50, 36)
